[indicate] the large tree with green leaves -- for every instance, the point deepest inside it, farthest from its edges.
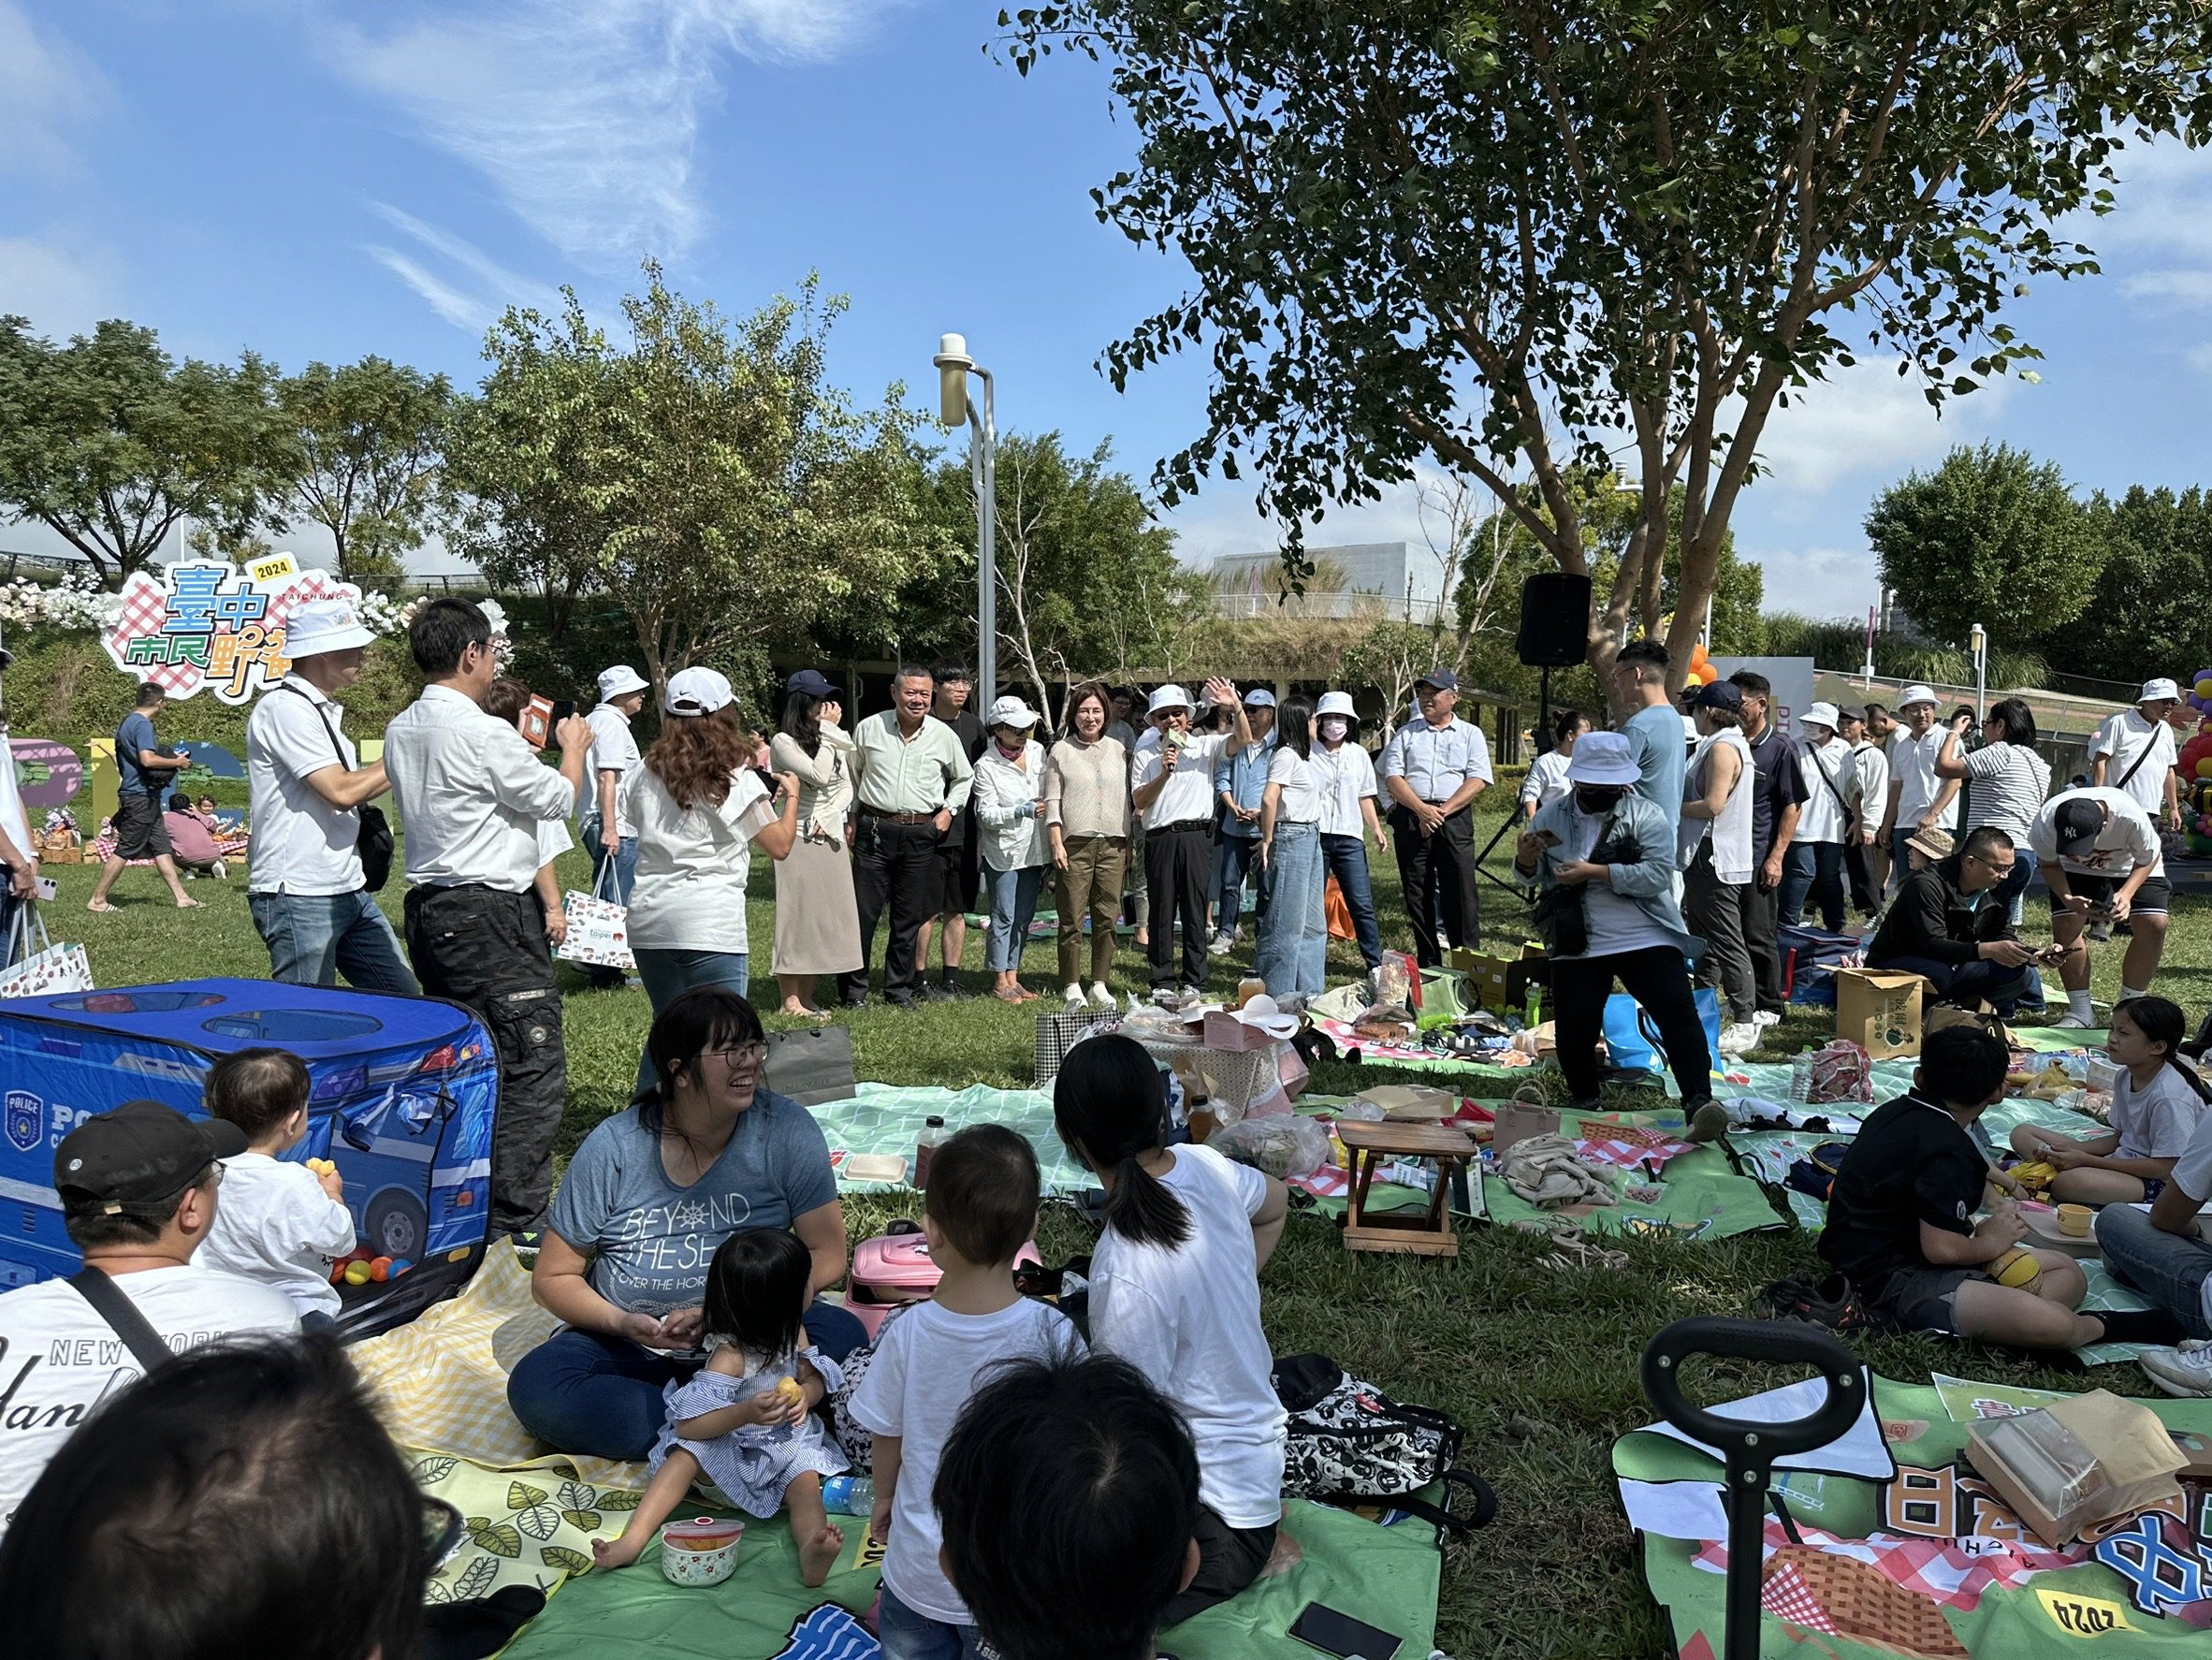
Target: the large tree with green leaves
(111, 444)
(2149, 614)
(1991, 536)
(702, 472)
(369, 441)
(1512, 238)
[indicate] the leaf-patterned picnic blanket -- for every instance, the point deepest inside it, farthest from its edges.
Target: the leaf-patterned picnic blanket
(528, 1524)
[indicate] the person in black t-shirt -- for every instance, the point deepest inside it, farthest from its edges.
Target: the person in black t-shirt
(1777, 792)
(1901, 1221)
(956, 849)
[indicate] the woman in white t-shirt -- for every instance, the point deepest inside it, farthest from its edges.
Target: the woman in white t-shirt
(1175, 1292)
(1294, 927)
(2156, 1106)
(699, 807)
(1009, 796)
(1546, 779)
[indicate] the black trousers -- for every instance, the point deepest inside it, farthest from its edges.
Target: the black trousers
(487, 949)
(1438, 871)
(896, 866)
(1762, 912)
(1178, 870)
(1659, 980)
(1855, 866)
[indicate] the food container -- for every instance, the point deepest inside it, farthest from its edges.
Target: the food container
(702, 1552)
(2073, 1221)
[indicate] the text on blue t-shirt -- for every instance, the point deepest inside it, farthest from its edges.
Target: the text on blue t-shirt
(652, 1238)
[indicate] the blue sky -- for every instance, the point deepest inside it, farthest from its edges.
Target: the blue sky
(319, 179)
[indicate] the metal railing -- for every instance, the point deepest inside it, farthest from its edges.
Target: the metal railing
(1261, 607)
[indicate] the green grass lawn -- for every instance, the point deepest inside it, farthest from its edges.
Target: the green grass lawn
(1540, 1366)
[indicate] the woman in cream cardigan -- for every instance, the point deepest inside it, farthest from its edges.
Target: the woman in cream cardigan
(817, 922)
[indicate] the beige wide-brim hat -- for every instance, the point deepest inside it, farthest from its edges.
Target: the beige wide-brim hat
(1936, 844)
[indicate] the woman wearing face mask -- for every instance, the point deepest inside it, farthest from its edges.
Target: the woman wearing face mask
(1345, 775)
(1614, 848)
(1086, 814)
(1294, 927)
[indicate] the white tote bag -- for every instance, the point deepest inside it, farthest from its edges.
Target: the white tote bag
(38, 967)
(598, 925)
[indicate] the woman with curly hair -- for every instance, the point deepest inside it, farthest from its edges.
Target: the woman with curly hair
(699, 809)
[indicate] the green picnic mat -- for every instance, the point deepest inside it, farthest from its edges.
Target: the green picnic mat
(1885, 1587)
(1699, 1197)
(888, 1118)
(1386, 1577)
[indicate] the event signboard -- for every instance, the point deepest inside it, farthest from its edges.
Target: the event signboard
(204, 624)
(1791, 680)
(48, 774)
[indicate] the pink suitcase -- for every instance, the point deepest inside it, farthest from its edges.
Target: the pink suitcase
(893, 1269)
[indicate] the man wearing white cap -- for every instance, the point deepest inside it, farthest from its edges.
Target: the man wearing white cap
(615, 760)
(472, 794)
(2133, 752)
(1173, 790)
(1344, 774)
(1919, 799)
(311, 898)
(1814, 864)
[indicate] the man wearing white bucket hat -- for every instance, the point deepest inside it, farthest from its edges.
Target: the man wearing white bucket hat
(608, 837)
(2133, 752)
(1345, 775)
(1173, 790)
(310, 896)
(1814, 864)
(1615, 850)
(1919, 799)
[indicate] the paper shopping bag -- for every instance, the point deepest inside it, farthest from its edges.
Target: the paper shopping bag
(598, 925)
(38, 967)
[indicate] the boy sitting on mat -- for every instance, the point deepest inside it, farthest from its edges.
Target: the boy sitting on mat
(1901, 1221)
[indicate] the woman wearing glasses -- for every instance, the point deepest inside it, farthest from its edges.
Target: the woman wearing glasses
(651, 1194)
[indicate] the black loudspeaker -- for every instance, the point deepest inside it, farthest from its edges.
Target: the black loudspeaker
(1555, 621)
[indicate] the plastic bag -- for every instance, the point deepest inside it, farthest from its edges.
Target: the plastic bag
(1278, 1144)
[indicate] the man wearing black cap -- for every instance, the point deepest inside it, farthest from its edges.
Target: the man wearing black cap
(1432, 769)
(2101, 860)
(138, 1194)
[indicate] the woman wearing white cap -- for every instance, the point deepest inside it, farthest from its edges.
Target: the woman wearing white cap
(1293, 957)
(1173, 790)
(699, 809)
(1008, 795)
(1919, 799)
(1813, 866)
(1344, 773)
(1616, 851)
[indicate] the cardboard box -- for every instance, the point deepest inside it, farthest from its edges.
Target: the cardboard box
(2067, 1468)
(1497, 983)
(1880, 1010)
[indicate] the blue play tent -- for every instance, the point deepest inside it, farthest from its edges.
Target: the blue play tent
(405, 1090)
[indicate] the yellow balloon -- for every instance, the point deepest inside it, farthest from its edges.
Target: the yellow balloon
(2204, 767)
(2203, 687)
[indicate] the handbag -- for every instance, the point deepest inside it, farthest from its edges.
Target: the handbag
(1345, 1442)
(1059, 1031)
(598, 925)
(1632, 1038)
(811, 1065)
(38, 967)
(372, 842)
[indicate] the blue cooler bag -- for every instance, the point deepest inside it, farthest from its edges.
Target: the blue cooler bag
(1633, 1041)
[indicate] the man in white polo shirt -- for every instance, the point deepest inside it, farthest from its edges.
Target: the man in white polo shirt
(1919, 799)
(608, 837)
(1173, 790)
(311, 898)
(2133, 753)
(472, 794)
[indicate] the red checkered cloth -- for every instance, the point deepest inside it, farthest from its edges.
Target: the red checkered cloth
(1952, 1572)
(1628, 1145)
(308, 584)
(145, 605)
(1786, 1596)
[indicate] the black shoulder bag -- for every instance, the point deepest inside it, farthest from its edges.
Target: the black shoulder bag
(1851, 819)
(120, 1312)
(374, 841)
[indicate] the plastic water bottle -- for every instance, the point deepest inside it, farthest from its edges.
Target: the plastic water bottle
(849, 1495)
(934, 1135)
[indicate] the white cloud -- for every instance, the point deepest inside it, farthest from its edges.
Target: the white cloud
(1867, 420)
(1221, 521)
(63, 288)
(472, 291)
(49, 90)
(2178, 288)
(1818, 581)
(585, 114)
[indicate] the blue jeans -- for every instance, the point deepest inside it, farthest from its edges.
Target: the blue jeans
(2168, 1268)
(668, 974)
(1815, 868)
(625, 863)
(908, 1635)
(1014, 902)
(600, 1396)
(1345, 858)
(2012, 891)
(1234, 857)
(1294, 927)
(314, 937)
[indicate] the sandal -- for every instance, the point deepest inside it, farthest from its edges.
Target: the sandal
(1573, 1252)
(101, 905)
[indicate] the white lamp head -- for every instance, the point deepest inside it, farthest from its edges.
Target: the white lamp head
(953, 364)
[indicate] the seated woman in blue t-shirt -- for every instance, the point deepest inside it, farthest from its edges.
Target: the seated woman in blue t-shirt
(649, 1196)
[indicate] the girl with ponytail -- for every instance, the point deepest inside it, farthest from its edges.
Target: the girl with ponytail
(2154, 1108)
(1175, 1292)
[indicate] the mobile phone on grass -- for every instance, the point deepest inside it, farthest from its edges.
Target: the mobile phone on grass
(1325, 1628)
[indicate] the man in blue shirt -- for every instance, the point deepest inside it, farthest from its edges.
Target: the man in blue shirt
(143, 769)
(1433, 768)
(1654, 731)
(1239, 783)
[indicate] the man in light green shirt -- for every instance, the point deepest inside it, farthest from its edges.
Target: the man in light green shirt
(910, 776)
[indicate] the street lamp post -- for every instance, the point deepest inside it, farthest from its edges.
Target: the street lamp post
(954, 406)
(1978, 642)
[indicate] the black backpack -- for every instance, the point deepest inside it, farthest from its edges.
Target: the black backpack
(1350, 1444)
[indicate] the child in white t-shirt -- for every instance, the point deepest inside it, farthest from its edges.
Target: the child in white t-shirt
(1175, 1292)
(276, 1221)
(979, 1211)
(2156, 1105)
(509, 700)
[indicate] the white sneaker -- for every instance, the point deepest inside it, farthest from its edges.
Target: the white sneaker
(221, 874)
(1223, 944)
(1765, 1018)
(1072, 997)
(2184, 1370)
(2072, 1023)
(1741, 1039)
(1101, 997)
